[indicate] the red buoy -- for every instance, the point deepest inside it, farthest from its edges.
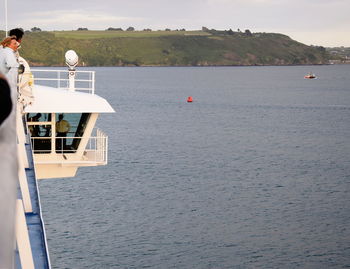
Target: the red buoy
(189, 99)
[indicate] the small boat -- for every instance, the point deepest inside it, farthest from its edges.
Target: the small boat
(310, 76)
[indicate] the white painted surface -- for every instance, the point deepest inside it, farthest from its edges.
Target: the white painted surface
(23, 243)
(23, 183)
(92, 151)
(8, 185)
(52, 100)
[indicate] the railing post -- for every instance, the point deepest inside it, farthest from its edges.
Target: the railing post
(59, 79)
(22, 238)
(71, 76)
(53, 133)
(93, 82)
(106, 150)
(27, 203)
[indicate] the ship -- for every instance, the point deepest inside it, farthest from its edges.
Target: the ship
(56, 117)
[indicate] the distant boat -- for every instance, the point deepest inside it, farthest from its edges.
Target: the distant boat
(310, 76)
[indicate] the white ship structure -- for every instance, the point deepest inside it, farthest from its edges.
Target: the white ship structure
(56, 134)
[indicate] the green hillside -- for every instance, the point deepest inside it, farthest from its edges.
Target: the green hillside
(163, 48)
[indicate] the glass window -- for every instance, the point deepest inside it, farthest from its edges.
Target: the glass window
(41, 138)
(38, 117)
(39, 130)
(40, 133)
(70, 128)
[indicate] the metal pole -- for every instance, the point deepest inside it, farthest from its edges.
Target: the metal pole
(5, 18)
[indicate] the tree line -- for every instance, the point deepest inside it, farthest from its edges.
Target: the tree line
(247, 32)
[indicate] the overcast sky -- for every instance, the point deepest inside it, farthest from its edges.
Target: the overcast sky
(312, 22)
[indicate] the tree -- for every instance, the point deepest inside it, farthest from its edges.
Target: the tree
(130, 29)
(114, 29)
(321, 49)
(82, 29)
(230, 32)
(205, 29)
(248, 33)
(35, 29)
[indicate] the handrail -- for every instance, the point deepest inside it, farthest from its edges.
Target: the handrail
(96, 150)
(85, 80)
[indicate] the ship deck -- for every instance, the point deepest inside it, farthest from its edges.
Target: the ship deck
(35, 224)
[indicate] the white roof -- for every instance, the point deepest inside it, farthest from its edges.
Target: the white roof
(53, 100)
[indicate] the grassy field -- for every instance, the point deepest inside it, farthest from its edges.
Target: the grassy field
(135, 34)
(168, 48)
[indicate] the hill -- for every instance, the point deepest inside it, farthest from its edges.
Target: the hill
(169, 48)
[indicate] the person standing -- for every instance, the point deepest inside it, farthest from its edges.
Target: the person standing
(8, 152)
(9, 69)
(9, 63)
(34, 129)
(62, 128)
(18, 33)
(25, 78)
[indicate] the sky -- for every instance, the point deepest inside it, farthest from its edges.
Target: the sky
(312, 22)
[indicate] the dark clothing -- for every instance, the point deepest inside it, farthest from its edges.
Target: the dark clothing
(5, 100)
(61, 135)
(61, 141)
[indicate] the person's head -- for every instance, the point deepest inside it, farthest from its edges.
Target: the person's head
(10, 42)
(38, 116)
(18, 33)
(60, 117)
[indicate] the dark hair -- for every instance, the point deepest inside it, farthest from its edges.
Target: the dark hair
(18, 32)
(5, 99)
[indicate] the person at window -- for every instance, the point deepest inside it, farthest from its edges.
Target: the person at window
(34, 129)
(62, 128)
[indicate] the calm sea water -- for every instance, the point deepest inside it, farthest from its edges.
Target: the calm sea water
(255, 173)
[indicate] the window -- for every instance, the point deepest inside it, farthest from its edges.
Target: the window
(70, 128)
(40, 132)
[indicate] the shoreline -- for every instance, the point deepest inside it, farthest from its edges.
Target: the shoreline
(256, 65)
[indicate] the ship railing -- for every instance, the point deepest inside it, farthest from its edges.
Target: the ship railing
(73, 149)
(84, 80)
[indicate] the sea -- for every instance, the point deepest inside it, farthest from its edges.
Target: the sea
(254, 173)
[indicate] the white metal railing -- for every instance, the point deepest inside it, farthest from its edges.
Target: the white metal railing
(95, 151)
(84, 81)
(97, 147)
